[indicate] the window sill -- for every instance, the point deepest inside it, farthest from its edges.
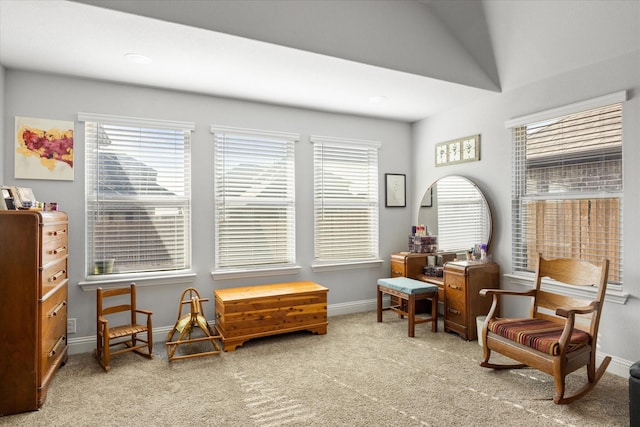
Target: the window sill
(244, 274)
(150, 279)
(616, 296)
(345, 265)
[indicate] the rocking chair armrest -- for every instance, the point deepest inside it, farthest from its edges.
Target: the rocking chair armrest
(572, 311)
(498, 292)
(146, 312)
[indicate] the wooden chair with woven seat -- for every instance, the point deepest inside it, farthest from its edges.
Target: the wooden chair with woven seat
(559, 336)
(117, 325)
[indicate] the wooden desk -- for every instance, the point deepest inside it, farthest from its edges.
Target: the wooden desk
(257, 311)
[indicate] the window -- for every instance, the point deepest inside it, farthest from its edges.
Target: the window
(567, 186)
(254, 199)
(345, 189)
(138, 194)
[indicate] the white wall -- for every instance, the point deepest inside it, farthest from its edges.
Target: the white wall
(55, 97)
(620, 324)
(2, 102)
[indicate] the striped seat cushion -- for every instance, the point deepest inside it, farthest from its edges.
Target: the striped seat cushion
(539, 334)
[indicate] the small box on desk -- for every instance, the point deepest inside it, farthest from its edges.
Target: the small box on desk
(423, 244)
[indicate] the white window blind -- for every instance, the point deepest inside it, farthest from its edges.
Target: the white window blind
(138, 193)
(345, 199)
(254, 198)
(567, 189)
(462, 216)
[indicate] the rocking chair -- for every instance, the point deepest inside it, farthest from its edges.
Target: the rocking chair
(124, 332)
(560, 334)
(187, 323)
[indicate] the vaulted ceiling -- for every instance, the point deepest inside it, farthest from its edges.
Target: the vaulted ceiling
(396, 59)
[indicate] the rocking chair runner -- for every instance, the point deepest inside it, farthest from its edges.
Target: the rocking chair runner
(560, 334)
(185, 325)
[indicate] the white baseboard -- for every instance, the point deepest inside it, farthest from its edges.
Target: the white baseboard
(79, 345)
(619, 367)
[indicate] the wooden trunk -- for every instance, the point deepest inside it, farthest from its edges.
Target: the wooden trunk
(257, 311)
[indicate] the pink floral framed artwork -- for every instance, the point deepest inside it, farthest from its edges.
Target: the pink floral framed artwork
(44, 149)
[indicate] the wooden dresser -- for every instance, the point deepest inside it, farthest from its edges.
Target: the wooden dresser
(33, 306)
(463, 303)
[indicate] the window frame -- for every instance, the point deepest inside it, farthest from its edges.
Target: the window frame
(148, 277)
(331, 264)
(285, 199)
(615, 292)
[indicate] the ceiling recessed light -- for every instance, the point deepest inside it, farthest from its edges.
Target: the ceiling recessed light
(377, 99)
(137, 58)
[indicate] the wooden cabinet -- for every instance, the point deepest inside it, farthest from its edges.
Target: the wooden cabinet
(33, 306)
(463, 303)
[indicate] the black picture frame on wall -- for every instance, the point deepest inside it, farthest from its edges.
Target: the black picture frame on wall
(395, 190)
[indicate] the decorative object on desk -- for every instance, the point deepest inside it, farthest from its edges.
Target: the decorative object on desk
(44, 149)
(423, 244)
(433, 270)
(459, 150)
(395, 190)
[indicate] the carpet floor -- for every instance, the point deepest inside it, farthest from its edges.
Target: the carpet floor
(361, 373)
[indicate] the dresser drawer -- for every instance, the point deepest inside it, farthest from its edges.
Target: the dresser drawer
(54, 249)
(54, 328)
(454, 310)
(52, 275)
(397, 269)
(455, 282)
(55, 231)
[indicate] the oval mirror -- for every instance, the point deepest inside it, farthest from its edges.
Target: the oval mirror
(454, 209)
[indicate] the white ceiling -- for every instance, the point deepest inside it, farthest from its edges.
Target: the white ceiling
(422, 56)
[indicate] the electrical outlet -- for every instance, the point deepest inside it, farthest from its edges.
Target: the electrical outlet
(71, 326)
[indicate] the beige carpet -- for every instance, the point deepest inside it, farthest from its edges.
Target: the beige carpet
(362, 373)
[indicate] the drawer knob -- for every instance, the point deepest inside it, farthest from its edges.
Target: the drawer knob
(56, 251)
(57, 232)
(60, 341)
(454, 311)
(57, 308)
(57, 275)
(458, 288)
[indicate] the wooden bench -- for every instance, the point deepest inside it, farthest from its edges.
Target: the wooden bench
(257, 311)
(408, 291)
